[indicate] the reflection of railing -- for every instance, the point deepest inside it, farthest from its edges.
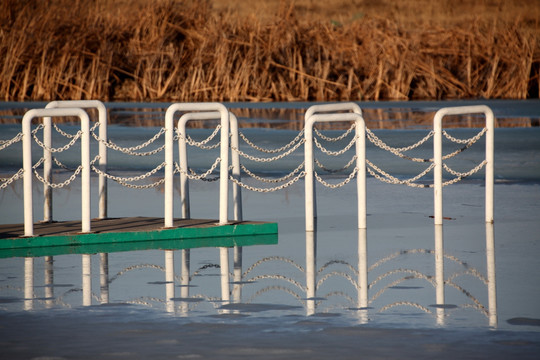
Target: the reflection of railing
(320, 292)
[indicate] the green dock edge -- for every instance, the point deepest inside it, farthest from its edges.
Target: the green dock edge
(173, 238)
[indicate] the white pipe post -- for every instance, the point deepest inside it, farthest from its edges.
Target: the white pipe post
(492, 284)
(235, 160)
(311, 272)
(309, 181)
(183, 160)
(360, 130)
(363, 284)
(27, 173)
(102, 119)
(85, 172)
(169, 168)
(490, 156)
(437, 170)
(439, 274)
(47, 170)
(310, 201)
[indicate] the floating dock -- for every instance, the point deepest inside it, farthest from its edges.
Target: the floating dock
(112, 233)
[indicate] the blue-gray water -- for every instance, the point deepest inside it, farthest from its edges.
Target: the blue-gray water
(273, 318)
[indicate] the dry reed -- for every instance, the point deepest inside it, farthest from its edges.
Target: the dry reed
(184, 51)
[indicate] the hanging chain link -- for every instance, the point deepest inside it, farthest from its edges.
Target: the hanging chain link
(59, 185)
(319, 164)
(389, 179)
(338, 185)
(57, 162)
(334, 139)
(63, 133)
(60, 149)
(267, 190)
(6, 181)
(201, 144)
(399, 151)
(132, 150)
(335, 153)
(460, 175)
(281, 179)
(272, 151)
(6, 143)
(193, 176)
(465, 141)
(278, 157)
(128, 179)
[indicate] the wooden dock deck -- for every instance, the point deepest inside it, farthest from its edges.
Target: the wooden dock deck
(186, 233)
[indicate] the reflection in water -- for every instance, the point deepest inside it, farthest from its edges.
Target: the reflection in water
(28, 283)
(250, 287)
(104, 277)
(49, 281)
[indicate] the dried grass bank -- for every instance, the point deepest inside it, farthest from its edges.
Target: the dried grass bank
(193, 51)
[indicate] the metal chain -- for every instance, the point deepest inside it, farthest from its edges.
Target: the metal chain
(140, 187)
(129, 179)
(60, 149)
(14, 177)
(201, 144)
(335, 153)
(319, 164)
(131, 150)
(334, 139)
(399, 151)
(272, 151)
(6, 143)
(338, 185)
(57, 162)
(205, 178)
(59, 185)
(267, 190)
(378, 142)
(278, 157)
(39, 127)
(465, 141)
(389, 179)
(39, 162)
(61, 132)
(194, 176)
(281, 179)
(460, 176)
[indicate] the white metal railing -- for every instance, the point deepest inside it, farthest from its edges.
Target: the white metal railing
(183, 160)
(229, 128)
(438, 157)
(47, 154)
(330, 113)
(169, 156)
(27, 163)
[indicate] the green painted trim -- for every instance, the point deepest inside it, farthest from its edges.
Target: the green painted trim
(228, 241)
(180, 233)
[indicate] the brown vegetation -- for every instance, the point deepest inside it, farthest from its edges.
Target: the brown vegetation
(282, 51)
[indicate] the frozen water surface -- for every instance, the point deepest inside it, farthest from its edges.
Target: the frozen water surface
(120, 305)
